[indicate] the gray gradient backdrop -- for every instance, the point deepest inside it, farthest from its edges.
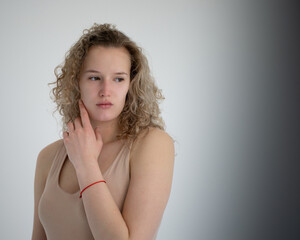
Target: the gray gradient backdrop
(228, 71)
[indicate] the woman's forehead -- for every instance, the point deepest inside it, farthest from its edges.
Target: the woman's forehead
(108, 58)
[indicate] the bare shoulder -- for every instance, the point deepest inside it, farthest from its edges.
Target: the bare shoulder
(46, 156)
(152, 141)
(152, 136)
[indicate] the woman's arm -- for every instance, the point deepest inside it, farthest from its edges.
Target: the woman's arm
(151, 167)
(43, 165)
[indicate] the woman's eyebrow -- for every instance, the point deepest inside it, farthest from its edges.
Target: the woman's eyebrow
(120, 73)
(91, 71)
(95, 71)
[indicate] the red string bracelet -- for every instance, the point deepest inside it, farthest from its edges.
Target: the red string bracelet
(89, 186)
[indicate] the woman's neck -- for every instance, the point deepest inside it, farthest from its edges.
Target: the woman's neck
(108, 129)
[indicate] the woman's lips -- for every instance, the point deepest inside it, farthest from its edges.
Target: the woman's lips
(104, 105)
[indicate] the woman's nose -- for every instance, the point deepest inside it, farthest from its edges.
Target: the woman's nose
(105, 88)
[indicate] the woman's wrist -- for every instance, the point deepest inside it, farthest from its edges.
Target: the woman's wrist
(86, 166)
(88, 173)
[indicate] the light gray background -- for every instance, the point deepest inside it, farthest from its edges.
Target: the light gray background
(219, 64)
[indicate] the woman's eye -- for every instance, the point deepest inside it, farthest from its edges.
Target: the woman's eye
(94, 78)
(119, 79)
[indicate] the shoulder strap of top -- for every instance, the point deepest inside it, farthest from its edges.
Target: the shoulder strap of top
(58, 159)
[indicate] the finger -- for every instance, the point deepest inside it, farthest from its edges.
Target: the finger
(84, 115)
(65, 135)
(77, 123)
(70, 126)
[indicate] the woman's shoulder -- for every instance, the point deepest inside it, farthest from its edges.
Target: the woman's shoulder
(154, 134)
(46, 156)
(151, 139)
(50, 150)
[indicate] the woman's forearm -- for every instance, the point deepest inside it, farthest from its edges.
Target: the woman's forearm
(103, 214)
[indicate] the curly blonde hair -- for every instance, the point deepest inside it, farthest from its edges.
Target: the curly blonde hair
(141, 109)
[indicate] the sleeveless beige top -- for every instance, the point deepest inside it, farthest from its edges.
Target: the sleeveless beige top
(62, 214)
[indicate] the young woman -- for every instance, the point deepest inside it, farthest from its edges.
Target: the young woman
(110, 176)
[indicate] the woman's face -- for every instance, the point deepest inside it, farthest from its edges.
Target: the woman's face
(104, 82)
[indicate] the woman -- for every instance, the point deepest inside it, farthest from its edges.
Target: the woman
(110, 176)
